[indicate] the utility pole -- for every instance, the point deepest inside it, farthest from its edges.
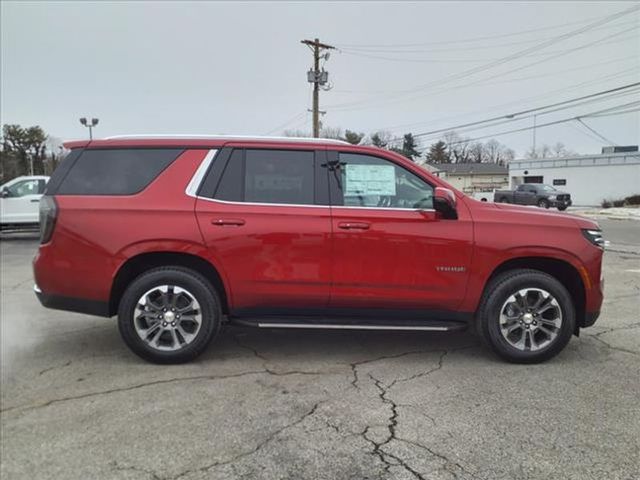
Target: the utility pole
(318, 78)
(533, 148)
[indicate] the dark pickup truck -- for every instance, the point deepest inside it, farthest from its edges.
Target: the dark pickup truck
(539, 194)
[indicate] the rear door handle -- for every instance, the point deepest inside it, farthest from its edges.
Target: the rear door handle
(354, 225)
(234, 222)
(35, 200)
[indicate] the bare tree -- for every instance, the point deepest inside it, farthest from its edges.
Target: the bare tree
(381, 138)
(458, 147)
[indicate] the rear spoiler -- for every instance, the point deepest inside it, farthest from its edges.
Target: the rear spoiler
(70, 145)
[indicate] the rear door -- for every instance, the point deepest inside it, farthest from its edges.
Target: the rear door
(264, 216)
(391, 249)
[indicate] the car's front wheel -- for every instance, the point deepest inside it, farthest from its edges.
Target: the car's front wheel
(169, 315)
(543, 203)
(526, 316)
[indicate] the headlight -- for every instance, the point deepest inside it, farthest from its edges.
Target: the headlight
(595, 237)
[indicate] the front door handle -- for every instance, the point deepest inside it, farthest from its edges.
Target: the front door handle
(354, 225)
(234, 222)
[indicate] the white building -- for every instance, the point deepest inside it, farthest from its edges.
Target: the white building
(472, 177)
(589, 179)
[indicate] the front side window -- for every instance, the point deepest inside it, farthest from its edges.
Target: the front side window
(368, 181)
(269, 176)
(26, 187)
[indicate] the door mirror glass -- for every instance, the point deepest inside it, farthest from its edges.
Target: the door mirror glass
(5, 193)
(444, 202)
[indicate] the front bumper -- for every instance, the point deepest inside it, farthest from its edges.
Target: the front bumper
(590, 318)
(561, 203)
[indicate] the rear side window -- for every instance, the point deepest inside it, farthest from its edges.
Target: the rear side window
(269, 176)
(116, 171)
(279, 176)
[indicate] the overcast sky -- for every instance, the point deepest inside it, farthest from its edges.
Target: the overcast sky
(239, 68)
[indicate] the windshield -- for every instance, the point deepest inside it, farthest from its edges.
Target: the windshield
(548, 188)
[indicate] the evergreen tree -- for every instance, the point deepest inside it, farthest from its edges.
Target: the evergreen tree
(438, 153)
(409, 147)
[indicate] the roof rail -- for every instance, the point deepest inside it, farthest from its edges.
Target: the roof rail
(228, 137)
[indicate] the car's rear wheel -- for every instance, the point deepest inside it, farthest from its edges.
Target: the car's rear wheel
(169, 315)
(526, 316)
(543, 203)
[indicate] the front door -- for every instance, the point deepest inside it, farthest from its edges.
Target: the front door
(390, 248)
(21, 199)
(267, 223)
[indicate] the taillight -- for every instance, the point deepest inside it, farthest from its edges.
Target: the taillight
(48, 216)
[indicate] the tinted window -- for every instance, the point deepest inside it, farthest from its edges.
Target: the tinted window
(116, 171)
(374, 182)
(279, 176)
(232, 180)
(61, 171)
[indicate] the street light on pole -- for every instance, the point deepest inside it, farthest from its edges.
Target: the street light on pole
(89, 125)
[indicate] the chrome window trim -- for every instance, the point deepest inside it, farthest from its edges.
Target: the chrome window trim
(198, 176)
(201, 171)
(214, 200)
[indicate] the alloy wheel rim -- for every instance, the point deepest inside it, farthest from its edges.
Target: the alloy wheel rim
(530, 319)
(167, 318)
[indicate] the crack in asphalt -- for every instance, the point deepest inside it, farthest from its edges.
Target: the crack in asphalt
(254, 450)
(156, 382)
(122, 468)
(608, 345)
(251, 349)
(615, 329)
(55, 367)
(354, 366)
(392, 425)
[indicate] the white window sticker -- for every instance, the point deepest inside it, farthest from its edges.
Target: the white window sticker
(370, 180)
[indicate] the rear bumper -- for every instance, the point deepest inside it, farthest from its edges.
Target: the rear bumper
(79, 305)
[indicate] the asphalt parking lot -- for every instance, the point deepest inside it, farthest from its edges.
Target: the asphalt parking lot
(318, 405)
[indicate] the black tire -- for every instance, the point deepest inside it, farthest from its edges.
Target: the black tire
(543, 203)
(562, 208)
(197, 286)
(495, 296)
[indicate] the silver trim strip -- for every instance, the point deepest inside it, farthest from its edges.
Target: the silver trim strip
(196, 180)
(36, 288)
(316, 206)
(335, 326)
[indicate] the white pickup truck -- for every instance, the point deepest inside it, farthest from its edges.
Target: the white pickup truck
(19, 202)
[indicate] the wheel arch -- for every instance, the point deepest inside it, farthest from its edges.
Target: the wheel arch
(561, 270)
(142, 262)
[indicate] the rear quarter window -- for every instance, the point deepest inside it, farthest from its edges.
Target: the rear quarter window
(115, 171)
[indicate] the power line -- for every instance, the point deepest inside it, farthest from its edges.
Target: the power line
(556, 122)
(572, 87)
(400, 96)
(474, 60)
(595, 132)
(474, 39)
(512, 116)
(386, 51)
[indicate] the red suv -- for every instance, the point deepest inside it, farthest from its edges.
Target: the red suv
(180, 236)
